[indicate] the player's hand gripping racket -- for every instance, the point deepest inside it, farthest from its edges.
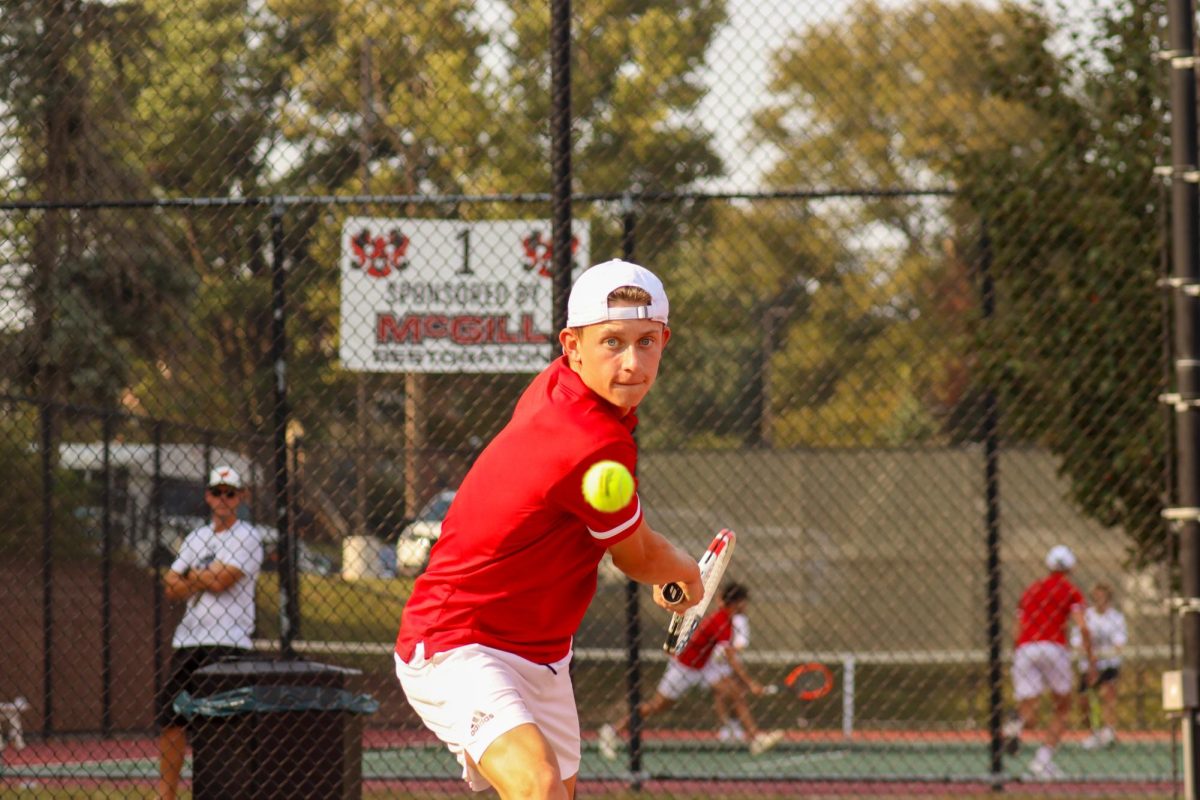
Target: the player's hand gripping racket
(712, 567)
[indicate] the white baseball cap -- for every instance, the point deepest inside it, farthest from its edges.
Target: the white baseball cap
(224, 475)
(1060, 558)
(588, 303)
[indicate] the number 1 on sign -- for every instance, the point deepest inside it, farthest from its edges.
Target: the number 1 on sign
(465, 236)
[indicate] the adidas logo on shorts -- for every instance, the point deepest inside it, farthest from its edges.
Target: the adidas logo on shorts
(479, 720)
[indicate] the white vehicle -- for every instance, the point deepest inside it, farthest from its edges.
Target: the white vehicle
(416, 540)
(182, 472)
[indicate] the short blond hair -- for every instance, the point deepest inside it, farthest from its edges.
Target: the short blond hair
(629, 294)
(634, 295)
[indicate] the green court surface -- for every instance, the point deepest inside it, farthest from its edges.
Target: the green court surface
(1139, 762)
(919, 762)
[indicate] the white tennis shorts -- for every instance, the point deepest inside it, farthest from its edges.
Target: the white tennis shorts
(1041, 666)
(678, 679)
(472, 695)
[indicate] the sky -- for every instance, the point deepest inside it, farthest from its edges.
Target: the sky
(739, 68)
(737, 74)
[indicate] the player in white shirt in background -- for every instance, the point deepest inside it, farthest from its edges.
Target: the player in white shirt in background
(1109, 636)
(215, 573)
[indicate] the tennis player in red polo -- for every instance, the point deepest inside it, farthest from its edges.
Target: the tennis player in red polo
(485, 639)
(1042, 661)
(710, 659)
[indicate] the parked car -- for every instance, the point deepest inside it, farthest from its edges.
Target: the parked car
(417, 537)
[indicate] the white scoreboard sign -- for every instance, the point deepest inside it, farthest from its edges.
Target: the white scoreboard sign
(425, 295)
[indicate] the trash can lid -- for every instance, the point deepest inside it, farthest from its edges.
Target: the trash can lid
(274, 699)
(264, 667)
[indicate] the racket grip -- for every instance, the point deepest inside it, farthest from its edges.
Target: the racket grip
(672, 592)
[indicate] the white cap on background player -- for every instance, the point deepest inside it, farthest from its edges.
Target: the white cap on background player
(224, 475)
(1060, 558)
(588, 303)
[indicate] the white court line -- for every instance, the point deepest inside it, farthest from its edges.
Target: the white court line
(799, 759)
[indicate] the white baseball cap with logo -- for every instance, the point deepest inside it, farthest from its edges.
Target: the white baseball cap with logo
(1060, 558)
(224, 475)
(588, 303)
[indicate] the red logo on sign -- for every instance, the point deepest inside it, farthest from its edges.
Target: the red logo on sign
(539, 253)
(379, 255)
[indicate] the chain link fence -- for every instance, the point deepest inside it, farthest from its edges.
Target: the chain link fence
(913, 253)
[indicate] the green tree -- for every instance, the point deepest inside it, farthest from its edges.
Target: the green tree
(636, 84)
(97, 280)
(1075, 221)
(472, 116)
(880, 102)
(1050, 149)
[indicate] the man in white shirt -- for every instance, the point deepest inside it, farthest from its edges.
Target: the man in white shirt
(215, 573)
(1109, 636)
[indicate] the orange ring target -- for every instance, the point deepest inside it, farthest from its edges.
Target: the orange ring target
(804, 669)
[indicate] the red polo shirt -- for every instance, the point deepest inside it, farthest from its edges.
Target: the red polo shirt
(714, 630)
(515, 566)
(1045, 609)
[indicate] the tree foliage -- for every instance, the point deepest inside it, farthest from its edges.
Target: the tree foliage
(879, 104)
(169, 311)
(1075, 218)
(1049, 136)
(98, 282)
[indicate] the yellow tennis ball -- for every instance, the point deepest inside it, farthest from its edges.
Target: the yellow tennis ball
(607, 486)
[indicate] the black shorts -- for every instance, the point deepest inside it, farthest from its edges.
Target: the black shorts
(184, 662)
(1106, 675)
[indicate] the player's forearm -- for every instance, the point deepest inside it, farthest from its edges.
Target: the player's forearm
(1087, 646)
(215, 578)
(176, 586)
(658, 562)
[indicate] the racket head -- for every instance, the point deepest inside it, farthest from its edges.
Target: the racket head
(712, 568)
(810, 681)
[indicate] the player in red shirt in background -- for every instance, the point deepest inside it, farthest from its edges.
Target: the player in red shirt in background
(1042, 660)
(710, 659)
(484, 647)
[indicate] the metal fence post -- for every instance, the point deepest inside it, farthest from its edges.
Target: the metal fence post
(991, 478)
(560, 155)
(289, 601)
(1185, 205)
(106, 554)
(633, 629)
(156, 525)
(47, 432)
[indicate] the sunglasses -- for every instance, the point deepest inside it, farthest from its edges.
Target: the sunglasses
(219, 492)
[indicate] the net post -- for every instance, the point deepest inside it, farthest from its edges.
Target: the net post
(848, 664)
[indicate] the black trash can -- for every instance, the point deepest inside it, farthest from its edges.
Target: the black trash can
(275, 729)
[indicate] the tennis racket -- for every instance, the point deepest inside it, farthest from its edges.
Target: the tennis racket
(712, 567)
(809, 681)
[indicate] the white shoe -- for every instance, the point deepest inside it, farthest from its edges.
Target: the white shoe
(608, 742)
(1092, 742)
(1046, 770)
(1012, 727)
(764, 741)
(1010, 732)
(1107, 737)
